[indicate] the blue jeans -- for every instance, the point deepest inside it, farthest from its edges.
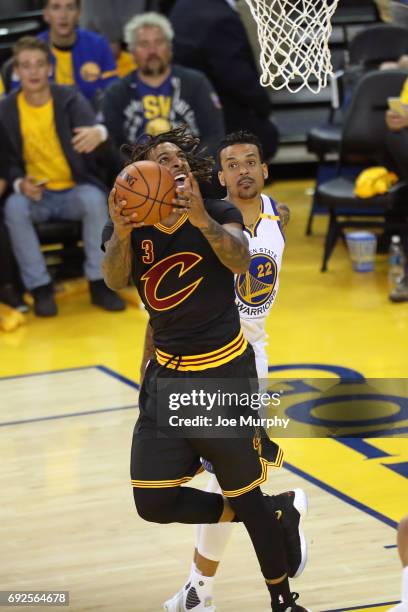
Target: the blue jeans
(85, 203)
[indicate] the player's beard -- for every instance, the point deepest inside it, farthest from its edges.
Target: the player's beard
(159, 69)
(249, 193)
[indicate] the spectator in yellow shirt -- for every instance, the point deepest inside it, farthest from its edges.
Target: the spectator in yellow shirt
(50, 132)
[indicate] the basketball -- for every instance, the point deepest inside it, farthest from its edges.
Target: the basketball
(148, 189)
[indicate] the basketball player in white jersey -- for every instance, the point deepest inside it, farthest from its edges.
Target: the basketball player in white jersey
(243, 173)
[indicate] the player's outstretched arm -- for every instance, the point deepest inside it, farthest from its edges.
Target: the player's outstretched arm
(227, 241)
(117, 264)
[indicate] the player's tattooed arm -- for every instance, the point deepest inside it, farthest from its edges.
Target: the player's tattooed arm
(148, 350)
(117, 264)
(229, 244)
(228, 241)
(284, 215)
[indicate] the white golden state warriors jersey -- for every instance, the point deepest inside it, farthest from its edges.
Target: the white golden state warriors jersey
(257, 288)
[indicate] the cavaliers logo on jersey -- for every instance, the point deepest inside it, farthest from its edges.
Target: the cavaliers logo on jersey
(255, 286)
(172, 269)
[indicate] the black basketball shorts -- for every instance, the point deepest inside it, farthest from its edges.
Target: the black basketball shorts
(161, 458)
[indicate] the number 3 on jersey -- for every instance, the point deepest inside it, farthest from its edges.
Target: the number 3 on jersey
(148, 257)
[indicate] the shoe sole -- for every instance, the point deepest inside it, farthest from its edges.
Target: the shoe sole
(302, 506)
(398, 300)
(177, 606)
(171, 606)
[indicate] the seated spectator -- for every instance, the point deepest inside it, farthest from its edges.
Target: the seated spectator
(397, 147)
(78, 57)
(49, 133)
(210, 36)
(160, 95)
(10, 285)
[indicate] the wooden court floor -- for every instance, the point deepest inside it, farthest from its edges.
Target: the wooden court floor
(68, 402)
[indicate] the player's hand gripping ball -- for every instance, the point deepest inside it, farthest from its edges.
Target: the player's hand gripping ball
(149, 190)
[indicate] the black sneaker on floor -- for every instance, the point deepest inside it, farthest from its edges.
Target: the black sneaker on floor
(10, 296)
(291, 606)
(290, 508)
(400, 292)
(104, 297)
(44, 302)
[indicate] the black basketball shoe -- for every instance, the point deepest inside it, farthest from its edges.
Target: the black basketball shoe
(291, 606)
(291, 508)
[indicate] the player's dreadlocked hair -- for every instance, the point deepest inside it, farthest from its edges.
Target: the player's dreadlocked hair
(239, 137)
(200, 166)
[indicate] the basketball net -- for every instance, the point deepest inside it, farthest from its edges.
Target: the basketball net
(294, 39)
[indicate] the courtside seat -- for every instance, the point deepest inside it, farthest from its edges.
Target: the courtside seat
(62, 246)
(67, 233)
(363, 139)
(324, 139)
(13, 27)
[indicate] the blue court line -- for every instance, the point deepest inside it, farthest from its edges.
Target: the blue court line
(102, 368)
(120, 377)
(343, 497)
(378, 433)
(386, 603)
(88, 367)
(364, 448)
(67, 415)
(391, 546)
(54, 417)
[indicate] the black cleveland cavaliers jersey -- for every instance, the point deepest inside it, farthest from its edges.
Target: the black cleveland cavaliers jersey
(187, 291)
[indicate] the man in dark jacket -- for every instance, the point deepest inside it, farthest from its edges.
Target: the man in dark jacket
(210, 36)
(50, 132)
(159, 96)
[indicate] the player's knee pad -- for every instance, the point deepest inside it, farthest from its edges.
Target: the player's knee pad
(155, 505)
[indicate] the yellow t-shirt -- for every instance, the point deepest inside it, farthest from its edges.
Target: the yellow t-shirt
(64, 69)
(1, 87)
(43, 155)
(404, 93)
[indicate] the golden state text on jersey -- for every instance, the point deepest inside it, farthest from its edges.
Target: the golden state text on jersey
(257, 288)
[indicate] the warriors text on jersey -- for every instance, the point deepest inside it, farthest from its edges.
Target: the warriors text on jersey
(187, 291)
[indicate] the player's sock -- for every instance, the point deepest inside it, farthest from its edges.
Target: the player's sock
(200, 589)
(404, 585)
(280, 593)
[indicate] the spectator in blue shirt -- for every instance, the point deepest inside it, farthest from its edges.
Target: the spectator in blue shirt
(78, 57)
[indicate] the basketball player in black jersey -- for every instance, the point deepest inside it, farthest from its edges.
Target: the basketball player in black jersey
(183, 269)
